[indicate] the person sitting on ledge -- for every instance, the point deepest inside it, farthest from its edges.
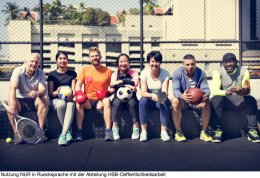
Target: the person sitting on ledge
(230, 91)
(126, 78)
(96, 80)
(28, 93)
(154, 91)
(184, 78)
(59, 79)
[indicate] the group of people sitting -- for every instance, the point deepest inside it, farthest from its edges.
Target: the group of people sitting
(230, 90)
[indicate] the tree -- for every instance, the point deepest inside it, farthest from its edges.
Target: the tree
(102, 17)
(53, 11)
(11, 9)
(122, 17)
(149, 2)
(82, 6)
(148, 9)
(88, 17)
(134, 11)
(72, 15)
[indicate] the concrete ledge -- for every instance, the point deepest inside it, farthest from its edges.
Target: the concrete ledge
(94, 126)
(233, 123)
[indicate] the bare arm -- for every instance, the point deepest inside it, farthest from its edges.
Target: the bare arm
(52, 93)
(73, 85)
(145, 93)
(12, 98)
(78, 85)
(41, 90)
(165, 86)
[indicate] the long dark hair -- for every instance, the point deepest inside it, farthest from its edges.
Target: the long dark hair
(123, 54)
(117, 62)
(59, 53)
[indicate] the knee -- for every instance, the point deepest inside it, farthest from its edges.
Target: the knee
(175, 103)
(216, 99)
(143, 101)
(71, 105)
(132, 103)
(116, 102)
(79, 107)
(106, 102)
(41, 106)
(61, 105)
(205, 105)
(251, 100)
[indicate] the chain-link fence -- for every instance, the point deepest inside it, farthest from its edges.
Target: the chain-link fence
(205, 28)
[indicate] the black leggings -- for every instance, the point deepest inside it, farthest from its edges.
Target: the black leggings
(118, 106)
(236, 103)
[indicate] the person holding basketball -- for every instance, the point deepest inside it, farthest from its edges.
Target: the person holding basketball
(185, 77)
(62, 76)
(124, 77)
(96, 80)
(154, 91)
(28, 93)
(231, 91)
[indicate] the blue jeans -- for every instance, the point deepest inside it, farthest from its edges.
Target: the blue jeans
(146, 104)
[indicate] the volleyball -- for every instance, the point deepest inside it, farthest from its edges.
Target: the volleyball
(64, 93)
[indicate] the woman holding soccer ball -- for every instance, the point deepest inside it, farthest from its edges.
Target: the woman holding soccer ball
(61, 88)
(124, 83)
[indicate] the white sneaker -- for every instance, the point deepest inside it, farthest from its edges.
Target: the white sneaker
(164, 136)
(116, 133)
(143, 136)
(135, 134)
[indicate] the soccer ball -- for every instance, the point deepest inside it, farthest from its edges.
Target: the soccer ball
(124, 94)
(64, 93)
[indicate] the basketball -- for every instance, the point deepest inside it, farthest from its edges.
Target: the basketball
(124, 94)
(64, 93)
(197, 95)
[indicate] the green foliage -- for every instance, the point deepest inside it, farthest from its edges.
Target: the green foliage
(148, 9)
(88, 17)
(56, 12)
(102, 17)
(122, 17)
(12, 9)
(134, 11)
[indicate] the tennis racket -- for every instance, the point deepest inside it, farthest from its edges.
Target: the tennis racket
(27, 129)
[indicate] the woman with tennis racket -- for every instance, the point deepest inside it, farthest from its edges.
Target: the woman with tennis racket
(27, 93)
(61, 88)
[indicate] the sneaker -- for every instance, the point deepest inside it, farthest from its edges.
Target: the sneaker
(135, 134)
(44, 137)
(17, 139)
(69, 137)
(217, 137)
(164, 136)
(79, 135)
(253, 136)
(116, 133)
(205, 137)
(179, 137)
(143, 136)
(62, 140)
(109, 135)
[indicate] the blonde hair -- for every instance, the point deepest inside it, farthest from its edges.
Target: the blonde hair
(93, 49)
